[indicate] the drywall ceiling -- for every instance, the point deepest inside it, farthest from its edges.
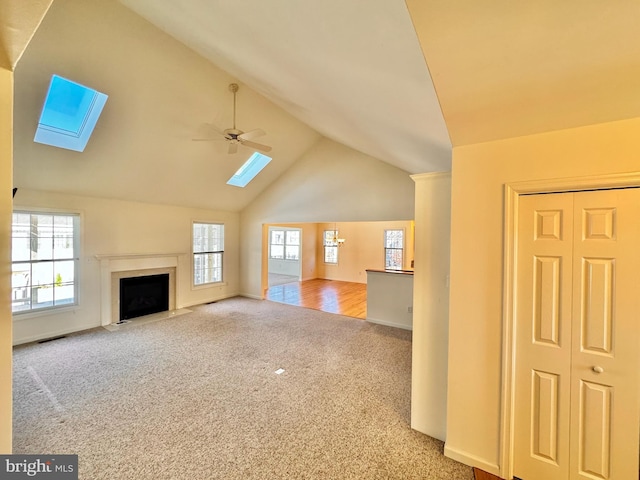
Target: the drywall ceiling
(509, 68)
(18, 22)
(160, 92)
(353, 71)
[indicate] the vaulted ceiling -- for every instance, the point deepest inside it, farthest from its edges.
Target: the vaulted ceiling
(353, 71)
(505, 69)
(400, 82)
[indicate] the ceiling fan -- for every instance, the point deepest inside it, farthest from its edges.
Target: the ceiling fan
(233, 136)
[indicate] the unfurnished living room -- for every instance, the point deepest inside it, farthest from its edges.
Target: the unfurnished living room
(452, 185)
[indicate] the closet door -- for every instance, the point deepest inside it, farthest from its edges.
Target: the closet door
(605, 404)
(543, 337)
(577, 412)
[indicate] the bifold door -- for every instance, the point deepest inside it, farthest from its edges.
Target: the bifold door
(577, 406)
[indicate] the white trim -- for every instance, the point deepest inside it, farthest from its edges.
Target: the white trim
(427, 176)
(111, 263)
(51, 334)
(512, 191)
(250, 295)
(222, 281)
(469, 459)
(390, 324)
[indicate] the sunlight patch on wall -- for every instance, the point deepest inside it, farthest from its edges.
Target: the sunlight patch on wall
(69, 114)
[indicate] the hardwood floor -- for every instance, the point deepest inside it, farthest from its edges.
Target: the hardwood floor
(482, 475)
(333, 296)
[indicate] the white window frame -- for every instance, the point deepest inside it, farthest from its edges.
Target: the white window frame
(57, 281)
(329, 245)
(387, 248)
(199, 251)
(272, 243)
(287, 245)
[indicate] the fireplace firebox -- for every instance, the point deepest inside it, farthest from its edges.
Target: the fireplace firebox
(143, 295)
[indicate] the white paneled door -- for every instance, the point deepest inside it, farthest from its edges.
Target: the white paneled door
(577, 402)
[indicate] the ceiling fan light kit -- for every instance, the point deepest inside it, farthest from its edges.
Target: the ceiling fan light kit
(234, 136)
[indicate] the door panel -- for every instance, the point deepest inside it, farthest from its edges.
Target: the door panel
(605, 416)
(543, 336)
(577, 402)
(594, 442)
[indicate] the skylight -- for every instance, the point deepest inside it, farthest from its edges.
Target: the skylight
(69, 114)
(249, 170)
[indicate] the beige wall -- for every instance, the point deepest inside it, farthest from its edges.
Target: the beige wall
(18, 21)
(363, 249)
(111, 227)
(6, 114)
(431, 304)
(475, 329)
(330, 182)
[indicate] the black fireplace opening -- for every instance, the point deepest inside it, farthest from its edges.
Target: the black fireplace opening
(144, 295)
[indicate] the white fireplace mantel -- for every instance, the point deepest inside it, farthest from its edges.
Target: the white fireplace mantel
(137, 264)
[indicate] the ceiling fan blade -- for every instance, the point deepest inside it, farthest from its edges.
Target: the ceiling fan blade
(257, 132)
(257, 146)
(233, 147)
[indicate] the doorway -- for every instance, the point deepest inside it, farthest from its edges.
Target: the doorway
(571, 401)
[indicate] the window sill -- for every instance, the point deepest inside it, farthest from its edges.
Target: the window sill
(204, 286)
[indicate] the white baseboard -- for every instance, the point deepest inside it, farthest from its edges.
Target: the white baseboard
(471, 460)
(389, 324)
(47, 335)
(249, 295)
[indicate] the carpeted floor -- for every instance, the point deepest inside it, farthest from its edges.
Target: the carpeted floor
(197, 396)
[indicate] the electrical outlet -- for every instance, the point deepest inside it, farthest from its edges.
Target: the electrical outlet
(410, 309)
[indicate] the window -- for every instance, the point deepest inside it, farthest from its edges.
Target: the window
(45, 258)
(249, 170)
(208, 252)
(393, 249)
(277, 244)
(69, 114)
(285, 244)
(292, 245)
(330, 246)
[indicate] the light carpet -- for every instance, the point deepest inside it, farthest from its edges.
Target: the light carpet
(197, 396)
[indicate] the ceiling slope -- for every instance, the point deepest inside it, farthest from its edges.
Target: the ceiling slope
(507, 69)
(353, 71)
(18, 22)
(160, 92)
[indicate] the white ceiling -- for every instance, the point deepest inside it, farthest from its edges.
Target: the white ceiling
(353, 71)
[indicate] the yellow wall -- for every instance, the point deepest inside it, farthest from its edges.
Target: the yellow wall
(6, 183)
(475, 324)
(363, 249)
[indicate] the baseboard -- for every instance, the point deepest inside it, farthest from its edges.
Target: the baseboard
(389, 324)
(249, 295)
(471, 460)
(45, 336)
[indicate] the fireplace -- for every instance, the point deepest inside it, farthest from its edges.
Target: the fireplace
(115, 267)
(143, 295)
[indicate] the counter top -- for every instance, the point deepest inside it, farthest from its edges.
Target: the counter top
(397, 272)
